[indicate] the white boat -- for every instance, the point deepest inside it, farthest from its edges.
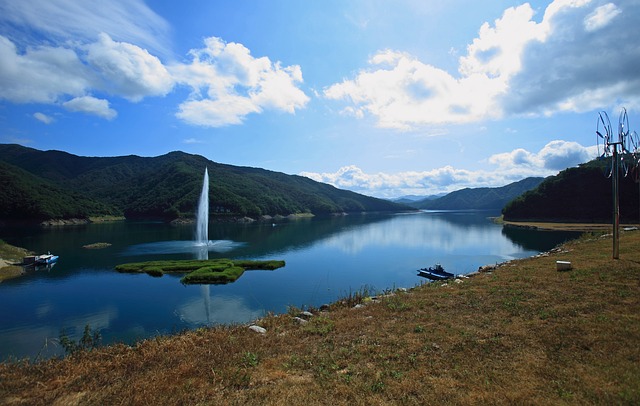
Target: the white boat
(45, 259)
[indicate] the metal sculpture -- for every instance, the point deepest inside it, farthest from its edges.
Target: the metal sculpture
(621, 149)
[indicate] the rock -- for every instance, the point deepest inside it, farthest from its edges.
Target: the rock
(306, 315)
(358, 306)
(486, 268)
(300, 320)
(64, 222)
(324, 307)
(258, 329)
(458, 280)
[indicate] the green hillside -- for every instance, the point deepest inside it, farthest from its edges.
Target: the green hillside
(479, 198)
(581, 194)
(53, 184)
(24, 196)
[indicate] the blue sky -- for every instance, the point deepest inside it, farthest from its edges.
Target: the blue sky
(383, 98)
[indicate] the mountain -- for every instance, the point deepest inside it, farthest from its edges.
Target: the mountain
(411, 199)
(478, 198)
(582, 194)
(38, 185)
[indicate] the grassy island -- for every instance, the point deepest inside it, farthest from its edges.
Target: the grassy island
(208, 271)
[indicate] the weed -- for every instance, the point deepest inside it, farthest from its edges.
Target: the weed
(90, 339)
(319, 325)
(377, 387)
(397, 303)
(250, 359)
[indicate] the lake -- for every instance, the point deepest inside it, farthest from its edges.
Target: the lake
(326, 259)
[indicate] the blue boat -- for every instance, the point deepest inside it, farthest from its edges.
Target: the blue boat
(435, 273)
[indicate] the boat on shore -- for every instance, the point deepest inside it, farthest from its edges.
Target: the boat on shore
(38, 260)
(435, 272)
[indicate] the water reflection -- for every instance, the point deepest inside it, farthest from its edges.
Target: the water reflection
(180, 247)
(42, 339)
(207, 310)
(326, 258)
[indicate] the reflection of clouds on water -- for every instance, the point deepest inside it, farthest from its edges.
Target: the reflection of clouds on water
(217, 309)
(180, 247)
(420, 231)
(43, 310)
(43, 340)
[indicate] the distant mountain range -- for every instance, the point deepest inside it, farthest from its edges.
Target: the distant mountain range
(477, 198)
(410, 199)
(40, 185)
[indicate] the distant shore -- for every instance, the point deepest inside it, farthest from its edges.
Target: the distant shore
(552, 226)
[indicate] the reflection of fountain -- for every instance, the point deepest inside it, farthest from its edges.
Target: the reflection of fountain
(202, 219)
(206, 296)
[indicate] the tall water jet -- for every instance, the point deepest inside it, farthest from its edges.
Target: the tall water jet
(202, 219)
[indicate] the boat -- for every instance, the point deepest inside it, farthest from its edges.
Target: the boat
(45, 259)
(435, 272)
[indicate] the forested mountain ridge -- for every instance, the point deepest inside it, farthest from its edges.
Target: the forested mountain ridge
(38, 185)
(478, 198)
(582, 194)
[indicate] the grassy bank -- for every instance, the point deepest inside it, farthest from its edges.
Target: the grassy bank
(9, 256)
(522, 334)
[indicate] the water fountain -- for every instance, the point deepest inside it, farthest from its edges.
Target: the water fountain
(201, 244)
(202, 218)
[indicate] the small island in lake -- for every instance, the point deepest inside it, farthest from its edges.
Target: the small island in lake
(208, 271)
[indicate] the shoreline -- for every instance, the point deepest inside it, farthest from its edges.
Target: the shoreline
(560, 226)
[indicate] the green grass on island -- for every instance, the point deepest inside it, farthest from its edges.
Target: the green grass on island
(207, 271)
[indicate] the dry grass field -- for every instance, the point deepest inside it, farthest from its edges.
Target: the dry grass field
(523, 333)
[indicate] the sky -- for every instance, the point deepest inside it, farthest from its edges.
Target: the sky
(385, 98)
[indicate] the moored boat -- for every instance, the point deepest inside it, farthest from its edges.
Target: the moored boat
(436, 272)
(44, 259)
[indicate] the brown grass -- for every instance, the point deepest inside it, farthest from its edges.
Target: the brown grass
(522, 334)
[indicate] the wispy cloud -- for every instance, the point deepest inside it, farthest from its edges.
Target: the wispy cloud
(130, 21)
(509, 167)
(515, 66)
(43, 118)
(192, 141)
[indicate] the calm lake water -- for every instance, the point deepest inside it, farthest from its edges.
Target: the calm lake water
(326, 258)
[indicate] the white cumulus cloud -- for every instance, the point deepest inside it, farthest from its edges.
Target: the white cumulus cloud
(91, 105)
(581, 55)
(128, 70)
(40, 74)
(228, 84)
